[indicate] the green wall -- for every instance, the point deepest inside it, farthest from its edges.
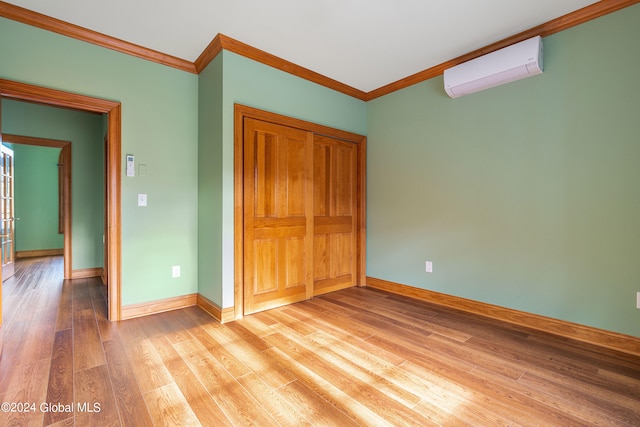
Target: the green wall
(159, 127)
(526, 195)
(36, 198)
(210, 181)
(254, 84)
(84, 131)
(241, 80)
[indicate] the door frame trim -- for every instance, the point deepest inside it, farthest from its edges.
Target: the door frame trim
(65, 147)
(42, 95)
(240, 113)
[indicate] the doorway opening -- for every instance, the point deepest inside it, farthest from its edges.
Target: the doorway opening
(64, 190)
(30, 93)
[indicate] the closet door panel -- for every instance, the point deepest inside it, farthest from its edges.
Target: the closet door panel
(335, 214)
(278, 217)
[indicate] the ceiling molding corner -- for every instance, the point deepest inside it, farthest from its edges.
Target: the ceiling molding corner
(209, 53)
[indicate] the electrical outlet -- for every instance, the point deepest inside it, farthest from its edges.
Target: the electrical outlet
(429, 267)
(142, 200)
(175, 271)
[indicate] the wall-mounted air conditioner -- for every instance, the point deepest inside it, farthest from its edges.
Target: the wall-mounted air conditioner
(505, 65)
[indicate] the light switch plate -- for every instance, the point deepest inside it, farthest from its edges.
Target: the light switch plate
(142, 200)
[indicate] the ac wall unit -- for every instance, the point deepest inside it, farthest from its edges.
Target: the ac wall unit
(505, 65)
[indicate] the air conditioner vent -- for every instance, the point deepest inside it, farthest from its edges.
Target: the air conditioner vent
(515, 62)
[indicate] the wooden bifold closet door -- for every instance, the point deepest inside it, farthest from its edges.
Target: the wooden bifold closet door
(335, 214)
(278, 242)
(300, 215)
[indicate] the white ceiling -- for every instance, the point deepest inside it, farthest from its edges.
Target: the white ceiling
(362, 43)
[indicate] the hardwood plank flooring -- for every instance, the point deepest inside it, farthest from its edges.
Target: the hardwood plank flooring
(352, 357)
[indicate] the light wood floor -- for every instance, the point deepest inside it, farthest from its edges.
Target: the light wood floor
(354, 357)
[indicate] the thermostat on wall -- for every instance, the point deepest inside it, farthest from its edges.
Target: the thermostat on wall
(131, 171)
